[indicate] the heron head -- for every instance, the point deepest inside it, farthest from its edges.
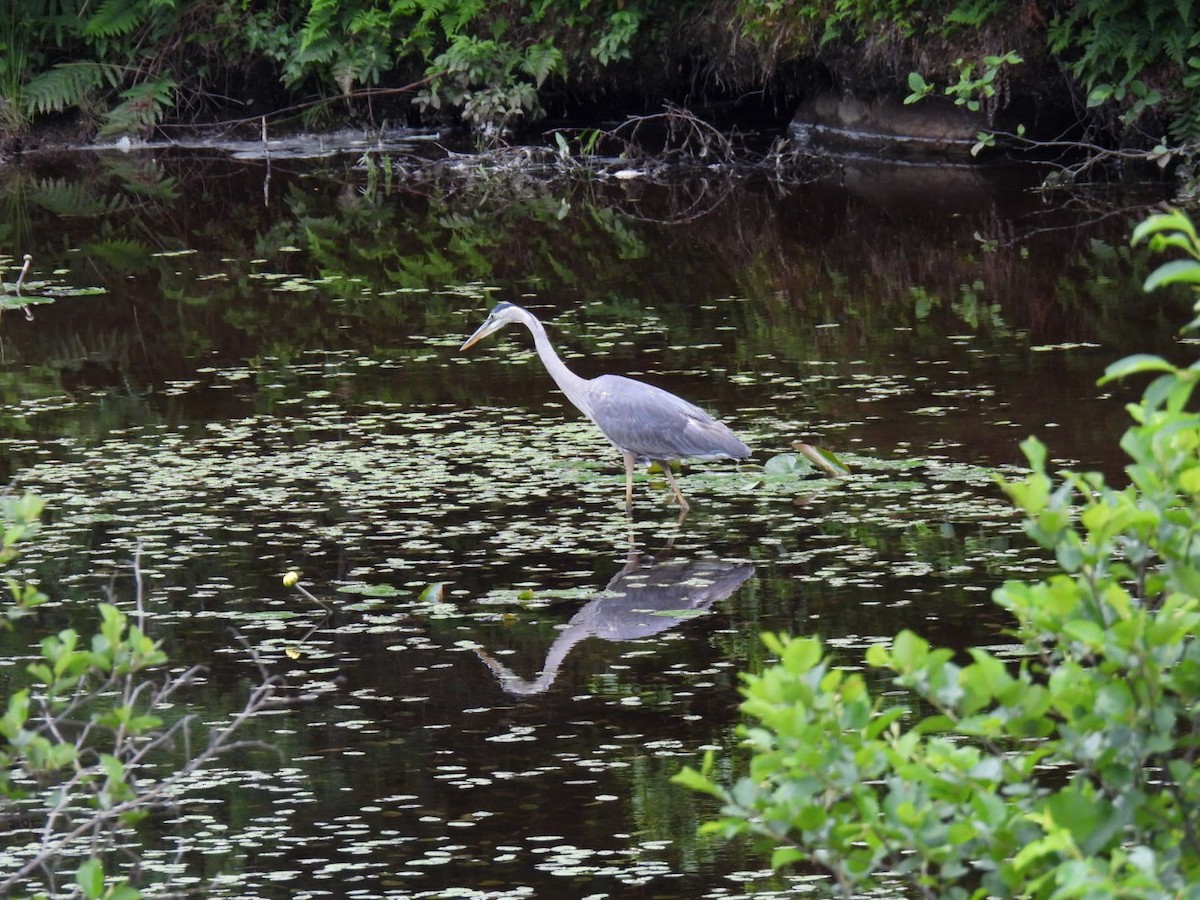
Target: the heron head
(502, 313)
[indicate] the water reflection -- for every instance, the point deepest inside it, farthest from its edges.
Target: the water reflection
(646, 597)
(266, 387)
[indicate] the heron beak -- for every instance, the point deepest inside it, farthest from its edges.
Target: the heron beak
(480, 333)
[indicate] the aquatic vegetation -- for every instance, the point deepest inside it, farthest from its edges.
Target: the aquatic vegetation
(271, 385)
(433, 530)
(25, 291)
(1065, 766)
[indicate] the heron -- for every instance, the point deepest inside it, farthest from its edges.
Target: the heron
(647, 597)
(645, 423)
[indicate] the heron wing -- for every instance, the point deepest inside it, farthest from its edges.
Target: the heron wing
(655, 424)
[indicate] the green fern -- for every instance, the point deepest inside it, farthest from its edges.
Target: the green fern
(1138, 57)
(1116, 43)
(319, 26)
(121, 255)
(974, 13)
(143, 106)
(455, 18)
(67, 85)
(1185, 124)
(116, 17)
(66, 197)
(541, 61)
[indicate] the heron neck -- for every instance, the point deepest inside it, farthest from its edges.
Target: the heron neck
(568, 382)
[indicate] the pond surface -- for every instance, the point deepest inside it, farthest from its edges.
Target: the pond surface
(251, 366)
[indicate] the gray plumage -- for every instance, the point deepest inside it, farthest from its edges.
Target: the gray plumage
(644, 422)
(645, 598)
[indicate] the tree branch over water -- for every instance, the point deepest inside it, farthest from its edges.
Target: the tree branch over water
(85, 760)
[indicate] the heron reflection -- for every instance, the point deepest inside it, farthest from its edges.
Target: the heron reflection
(645, 598)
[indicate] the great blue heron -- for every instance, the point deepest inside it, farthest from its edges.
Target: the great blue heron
(644, 422)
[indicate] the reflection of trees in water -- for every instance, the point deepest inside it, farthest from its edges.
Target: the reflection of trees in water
(646, 597)
(870, 249)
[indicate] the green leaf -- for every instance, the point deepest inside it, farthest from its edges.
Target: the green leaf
(881, 722)
(786, 856)
(433, 593)
(909, 651)
(115, 17)
(66, 86)
(90, 878)
(1092, 820)
(878, 656)
(1132, 365)
(697, 781)
(801, 654)
(143, 105)
(113, 767)
(823, 459)
(1179, 271)
(17, 714)
(1035, 452)
(369, 590)
(1169, 221)
(1099, 95)
(541, 61)
(786, 465)
(1087, 633)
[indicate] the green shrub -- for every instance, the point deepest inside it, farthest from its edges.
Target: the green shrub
(77, 740)
(70, 54)
(1070, 773)
(493, 84)
(127, 64)
(1138, 56)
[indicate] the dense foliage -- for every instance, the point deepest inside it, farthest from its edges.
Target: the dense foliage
(128, 65)
(1067, 771)
(82, 734)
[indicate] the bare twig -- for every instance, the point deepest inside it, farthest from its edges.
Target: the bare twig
(362, 93)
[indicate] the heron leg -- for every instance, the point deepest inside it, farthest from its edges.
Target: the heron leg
(630, 462)
(683, 504)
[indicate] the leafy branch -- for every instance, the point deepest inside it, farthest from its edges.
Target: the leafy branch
(81, 743)
(1067, 772)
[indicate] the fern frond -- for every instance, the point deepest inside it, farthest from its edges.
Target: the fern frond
(115, 17)
(120, 255)
(319, 24)
(65, 86)
(143, 106)
(65, 197)
(541, 61)
(456, 17)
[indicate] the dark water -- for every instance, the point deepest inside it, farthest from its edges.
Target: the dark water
(266, 378)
